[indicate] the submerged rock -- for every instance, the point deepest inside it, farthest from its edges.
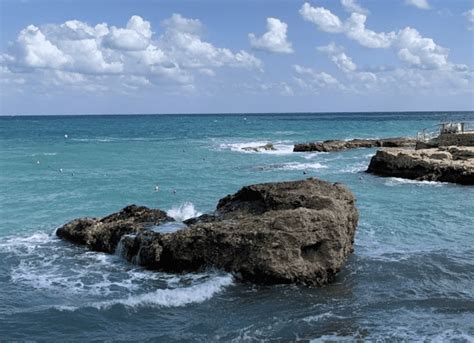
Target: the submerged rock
(451, 164)
(338, 145)
(266, 147)
(285, 232)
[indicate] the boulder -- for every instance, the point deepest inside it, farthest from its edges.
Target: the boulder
(454, 164)
(285, 232)
(338, 145)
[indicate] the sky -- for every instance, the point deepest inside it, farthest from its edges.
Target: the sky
(218, 56)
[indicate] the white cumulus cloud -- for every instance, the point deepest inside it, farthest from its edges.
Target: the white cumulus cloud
(422, 4)
(313, 81)
(420, 51)
(75, 52)
(410, 46)
(274, 40)
(321, 17)
(36, 51)
(353, 6)
(338, 56)
(470, 18)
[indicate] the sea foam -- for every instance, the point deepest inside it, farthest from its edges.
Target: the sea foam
(184, 211)
(281, 147)
(176, 297)
(396, 181)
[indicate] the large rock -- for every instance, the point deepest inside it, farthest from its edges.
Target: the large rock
(338, 145)
(286, 232)
(451, 164)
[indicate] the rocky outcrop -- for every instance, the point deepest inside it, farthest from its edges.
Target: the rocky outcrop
(266, 147)
(103, 234)
(338, 145)
(450, 164)
(286, 232)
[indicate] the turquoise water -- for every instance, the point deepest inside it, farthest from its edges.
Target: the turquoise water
(411, 276)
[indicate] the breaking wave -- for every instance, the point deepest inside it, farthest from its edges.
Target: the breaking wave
(396, 181)
(281, 147)
(176, 297)
(292, 166)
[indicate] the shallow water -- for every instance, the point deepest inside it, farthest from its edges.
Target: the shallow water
(410, 277)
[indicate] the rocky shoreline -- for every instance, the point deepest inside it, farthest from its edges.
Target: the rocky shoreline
(444, 164)
(286, 232)
(338, 145)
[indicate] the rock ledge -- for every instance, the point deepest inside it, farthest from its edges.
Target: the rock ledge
(338, 145)
(448, 164)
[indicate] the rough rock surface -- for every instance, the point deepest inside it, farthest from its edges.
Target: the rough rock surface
(286, 232)
(104, 234)
(338, 145)
(450, 164)
(266, 147)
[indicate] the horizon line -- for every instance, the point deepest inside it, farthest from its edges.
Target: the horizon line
(228, 113)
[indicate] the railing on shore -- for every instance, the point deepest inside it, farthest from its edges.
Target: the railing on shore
(433, 132)
(427, 134)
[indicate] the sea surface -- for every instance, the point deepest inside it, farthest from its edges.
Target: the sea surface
(411, 277)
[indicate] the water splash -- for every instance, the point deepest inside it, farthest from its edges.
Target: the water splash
(183, 212)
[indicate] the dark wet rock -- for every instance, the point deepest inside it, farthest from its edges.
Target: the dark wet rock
(104, 234)
(338, 145)
(266, 147)
(451, 164)
(285, 232)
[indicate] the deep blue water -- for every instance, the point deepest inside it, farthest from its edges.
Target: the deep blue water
(411, 276)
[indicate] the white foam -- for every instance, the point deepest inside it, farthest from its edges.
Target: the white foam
(25, 245)
(321, 316)
(313, 155)
(396, 181)
(176, 297)
(300, 166)
(183, 212)
(281, 147)
(355, 168)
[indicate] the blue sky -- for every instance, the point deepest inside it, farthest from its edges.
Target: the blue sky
(91, 57)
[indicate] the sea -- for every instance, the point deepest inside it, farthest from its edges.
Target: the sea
(410, 278)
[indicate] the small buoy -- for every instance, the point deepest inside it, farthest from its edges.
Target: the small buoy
(157, 188)
(304, 172)
(174, 191)
(60, 170)
(66, 136)
(37, 162)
